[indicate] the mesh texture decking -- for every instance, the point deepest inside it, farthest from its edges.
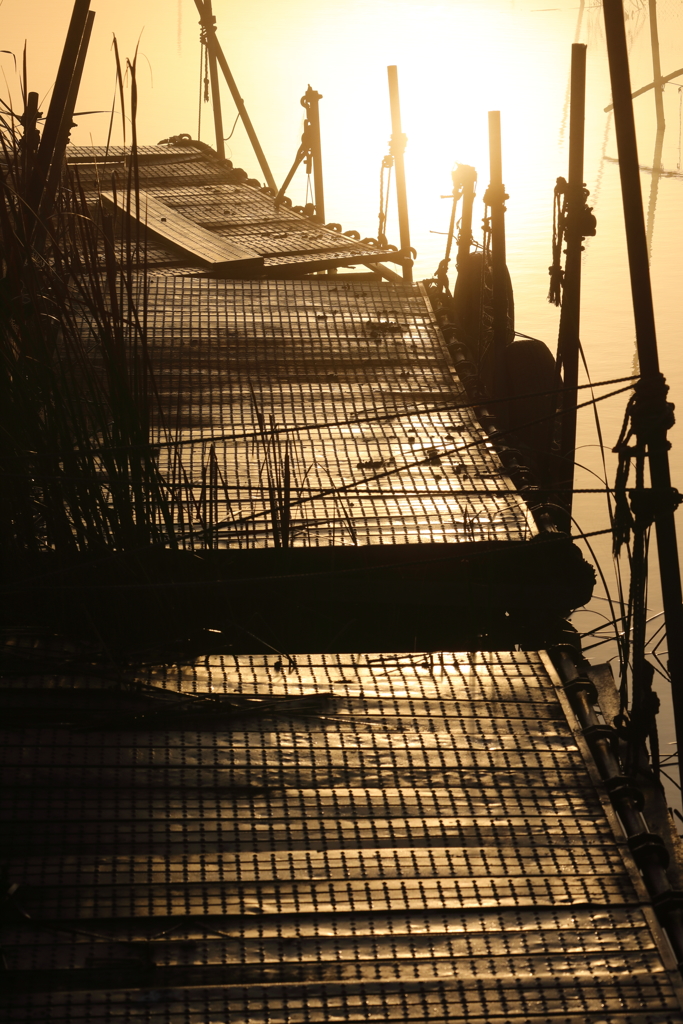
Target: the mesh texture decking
(349, 383)
(207, 191)
(403, 838)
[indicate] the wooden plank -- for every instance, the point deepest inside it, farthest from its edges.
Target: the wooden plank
(213, 251)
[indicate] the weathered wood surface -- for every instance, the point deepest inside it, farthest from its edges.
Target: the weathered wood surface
(213, 251)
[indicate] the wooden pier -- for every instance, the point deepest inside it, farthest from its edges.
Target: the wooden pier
(337, 818)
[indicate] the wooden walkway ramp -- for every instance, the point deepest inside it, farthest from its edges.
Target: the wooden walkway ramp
(203, 197)
(327, 466)
(393, 838)
(353, 385)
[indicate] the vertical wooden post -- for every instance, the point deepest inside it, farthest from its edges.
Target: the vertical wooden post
(215, 46)
(215, 88)
(656, 67)
(495, 199)
(66, 125)
(467, 177)
(60, 93)
(568, 341)
(311, 100)
(31, 136)
(651, 387)
(397, 149)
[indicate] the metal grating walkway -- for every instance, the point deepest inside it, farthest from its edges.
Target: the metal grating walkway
(352, 386)
(403, 838)
(192, 180)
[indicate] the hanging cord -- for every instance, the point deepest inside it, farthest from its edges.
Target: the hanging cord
(560, 212)
(204, 95)
(559, 223)
(486, 285)
(441, 276)
(206, 67)
(386, 168)
(202, 48)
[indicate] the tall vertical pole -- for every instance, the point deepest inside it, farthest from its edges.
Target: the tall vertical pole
(55, 111)
(651, 389)
(397, 149)
(67, 124)
(215, 87)
(568, 341)
(495, 199)
(215, 46)
(467, 178)
(656, 67)
(311, 101)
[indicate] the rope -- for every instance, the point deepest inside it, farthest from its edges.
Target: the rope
(559, 225)
(387, 165)
(239, 114)
(206, 68)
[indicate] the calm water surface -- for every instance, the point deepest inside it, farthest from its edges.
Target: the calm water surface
(456, 61)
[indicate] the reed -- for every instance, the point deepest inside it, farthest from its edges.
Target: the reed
(77, 462)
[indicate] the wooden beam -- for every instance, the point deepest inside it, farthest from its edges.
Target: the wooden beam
(570, 315)
(397, 147)
(215, 48)
(60, 92)
(216, 253)
(215, 89)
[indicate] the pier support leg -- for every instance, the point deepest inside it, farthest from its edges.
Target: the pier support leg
(397, 149)
(568, 340)
(652, 428)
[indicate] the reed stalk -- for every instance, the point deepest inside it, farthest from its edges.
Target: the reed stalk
(78, 467)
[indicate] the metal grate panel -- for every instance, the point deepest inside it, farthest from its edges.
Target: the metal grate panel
(352, 386)
(213, 194)
(403, 838)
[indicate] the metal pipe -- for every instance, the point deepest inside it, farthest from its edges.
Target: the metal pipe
(311, 101)
(653, 387)
(568, 342)
(60, 93)
(397, 147)
(215, 88)
(213, 45)
(495, 199)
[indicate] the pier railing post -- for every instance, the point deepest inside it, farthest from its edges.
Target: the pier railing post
(495, 199)
(213, 45)
(653, 421)
(467, 179)
(568, 340)
(397, 149)
(310, 101)
(215, 87)
(60, 94)
(66, 124)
